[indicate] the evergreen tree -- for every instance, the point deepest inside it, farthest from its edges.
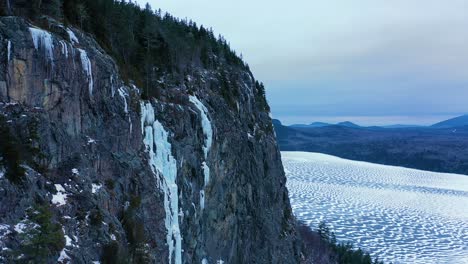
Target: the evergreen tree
(82, 14)
(145, 44)
(42, 237)
(10, 159)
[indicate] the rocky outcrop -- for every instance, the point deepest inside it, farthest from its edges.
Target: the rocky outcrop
(189, 177)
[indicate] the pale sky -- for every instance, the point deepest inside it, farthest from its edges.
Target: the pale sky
(373, 62)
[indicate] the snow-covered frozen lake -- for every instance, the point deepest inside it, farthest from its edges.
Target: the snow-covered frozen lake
(398, 214)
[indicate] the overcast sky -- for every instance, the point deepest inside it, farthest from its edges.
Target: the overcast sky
(367, 61)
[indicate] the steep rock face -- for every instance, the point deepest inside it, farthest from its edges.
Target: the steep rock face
(189, 177)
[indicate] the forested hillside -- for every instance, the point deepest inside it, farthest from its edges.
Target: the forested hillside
(441, 150)
(146, 44)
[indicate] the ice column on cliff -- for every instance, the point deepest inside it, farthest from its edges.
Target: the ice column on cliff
(164, 167)
(64, 48)
(42, 38)
(124, 94)
(208, 133)
(86, 64)
(9, 51)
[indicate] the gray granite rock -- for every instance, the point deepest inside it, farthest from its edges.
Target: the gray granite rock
(90, 141)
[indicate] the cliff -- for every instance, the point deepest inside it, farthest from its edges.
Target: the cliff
(92, 172)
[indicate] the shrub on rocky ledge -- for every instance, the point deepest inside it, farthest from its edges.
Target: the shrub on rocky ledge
(320, 246)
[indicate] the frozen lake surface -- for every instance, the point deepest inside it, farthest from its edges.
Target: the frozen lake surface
(398, 214)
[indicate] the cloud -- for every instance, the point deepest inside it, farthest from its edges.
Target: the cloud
(347, 57)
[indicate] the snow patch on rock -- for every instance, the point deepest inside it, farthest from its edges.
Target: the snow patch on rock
(95, 187)
(72, 36)
(63, 258)
(90, 140)
(4, 231)
(24, 225)
(60, 198)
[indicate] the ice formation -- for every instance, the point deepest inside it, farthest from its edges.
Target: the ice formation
(123, 94)
(9, 51)
(163, 164)
(72, 36)
(64, 45)
(63, 258)
(86, 64)
(208, 133)
(112, 85)
(42, 38)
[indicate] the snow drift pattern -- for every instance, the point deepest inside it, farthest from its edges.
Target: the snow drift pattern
(382, 209)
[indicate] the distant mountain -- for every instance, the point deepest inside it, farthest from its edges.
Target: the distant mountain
(276, 122)
(401, 126)
(454, 122)
(426, 148)
(314, 124)
(323, 124)
(348, 124)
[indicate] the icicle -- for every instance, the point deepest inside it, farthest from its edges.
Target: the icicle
(64, 48)
(42, 38)
(72, 36)
(208, 133)
(131, 124)
(9, 51)
(124, 95)
(86, 64)
(147, 114)
(163, 163)
(112, 85)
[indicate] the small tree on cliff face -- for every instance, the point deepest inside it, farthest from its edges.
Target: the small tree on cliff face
(149, 36)
(9, 154)
(82, 14)
(55, 8)
(41, 237)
